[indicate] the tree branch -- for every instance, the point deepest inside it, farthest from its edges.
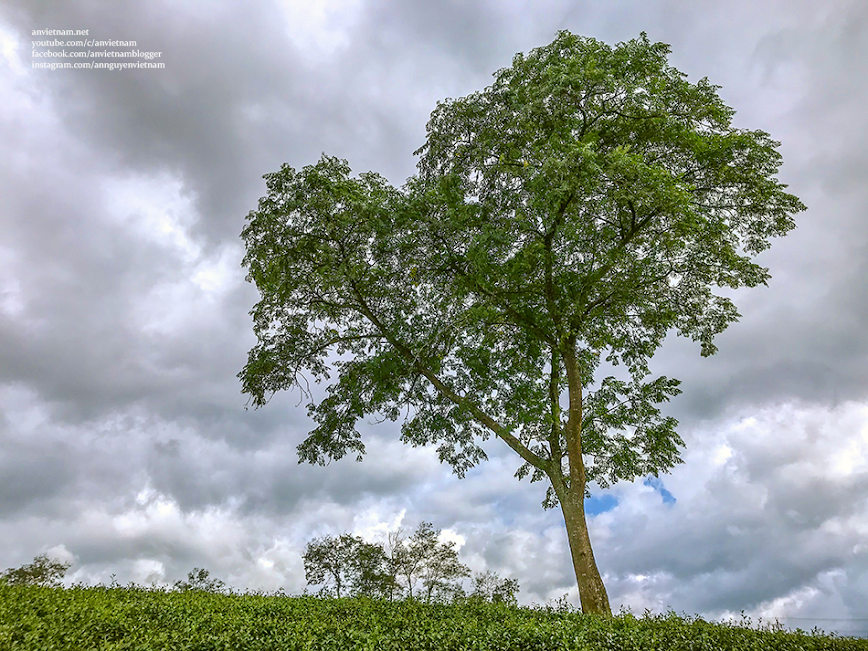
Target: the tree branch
(480, 416)
(520, 320)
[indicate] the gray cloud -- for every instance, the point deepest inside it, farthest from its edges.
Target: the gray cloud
(123, 309)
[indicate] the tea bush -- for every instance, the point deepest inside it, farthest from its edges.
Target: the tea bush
(134, 618)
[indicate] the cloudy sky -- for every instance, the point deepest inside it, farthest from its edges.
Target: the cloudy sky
(124, 443)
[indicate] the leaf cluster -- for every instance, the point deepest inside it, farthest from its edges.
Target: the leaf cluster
(489, 587)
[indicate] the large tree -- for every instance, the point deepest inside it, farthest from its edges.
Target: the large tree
(585, 202)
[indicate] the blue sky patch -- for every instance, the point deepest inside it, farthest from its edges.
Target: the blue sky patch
(657, 485)
(596, 504)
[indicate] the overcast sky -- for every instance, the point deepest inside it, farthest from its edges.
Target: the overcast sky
(124, 443)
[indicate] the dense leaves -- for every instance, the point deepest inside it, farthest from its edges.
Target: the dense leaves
(490, 587)
(435, 563)
(133, 618)
(585, 201)
(349, 564)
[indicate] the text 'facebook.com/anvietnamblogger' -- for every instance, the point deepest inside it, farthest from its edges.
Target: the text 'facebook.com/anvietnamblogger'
(53, 49)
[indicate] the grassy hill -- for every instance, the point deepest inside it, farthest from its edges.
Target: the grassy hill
(134, 618)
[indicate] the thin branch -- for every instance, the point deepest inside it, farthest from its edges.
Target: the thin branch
(340, 339)
(453, 264)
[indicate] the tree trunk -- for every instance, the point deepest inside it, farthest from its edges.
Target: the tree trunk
(592, 592)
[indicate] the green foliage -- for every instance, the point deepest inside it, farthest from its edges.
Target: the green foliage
(42, 571)
(586, 201)
(435, 563)
(490, 587)
(134, 618)
(198, 580)
(349, 563)
(371, 572)
(358, 568)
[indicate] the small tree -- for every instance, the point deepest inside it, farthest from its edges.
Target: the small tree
(329, 559)
(410, 558)
(42, 571)
(369, 571)
(394, 554)
(490, 587)
(198, 580)
(441, 570)
(435, 563)
(354, 566)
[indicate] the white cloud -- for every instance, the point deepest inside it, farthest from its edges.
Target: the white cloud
(449, 535)
(373, 525)
(148, 571)
(320, 28)
(61, 554)
(156, 208)
(9, 45)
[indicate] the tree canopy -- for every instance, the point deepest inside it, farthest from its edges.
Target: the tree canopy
(585, 202)
(356, 567)
(199, 579)
(347, 561)
(42, 571)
